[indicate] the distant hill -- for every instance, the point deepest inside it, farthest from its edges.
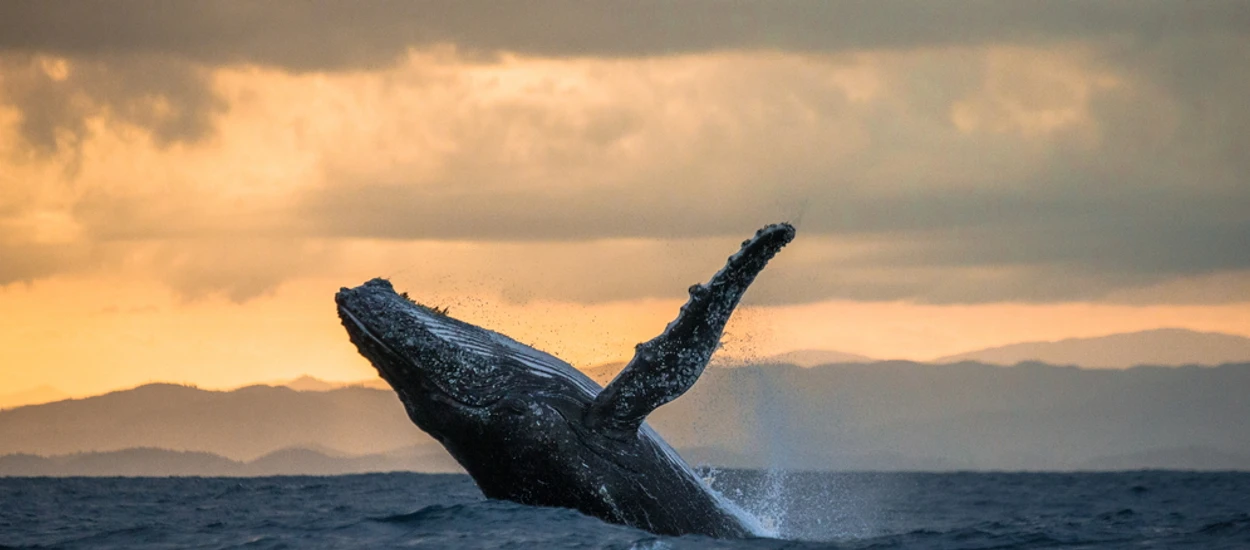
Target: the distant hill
(127, 462)
(803, 358)
(374, 383)
(312, 383)
(885, 415)
(1162, 347)
(242, 424)
(964, 416)
(309, 383)
(814, 357)
(159, 462)
(41, 394)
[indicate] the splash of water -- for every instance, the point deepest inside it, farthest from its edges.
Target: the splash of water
(754, 522)
(788, 504)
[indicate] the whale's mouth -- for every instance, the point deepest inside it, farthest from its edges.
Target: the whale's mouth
(382, 364)
(345, 314)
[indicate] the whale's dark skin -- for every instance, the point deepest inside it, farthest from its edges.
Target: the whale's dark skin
(532, 429)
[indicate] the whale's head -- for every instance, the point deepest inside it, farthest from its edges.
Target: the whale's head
(457, 381)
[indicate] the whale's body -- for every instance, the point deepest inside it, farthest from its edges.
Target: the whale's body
(530, 428)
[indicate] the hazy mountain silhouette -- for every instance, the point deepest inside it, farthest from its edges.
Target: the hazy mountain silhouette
(967, 415)
(309, 383)
(814, 357)
(312, 383)
(1163, 347)
(241, 425)
(41, 394)
(804, 358)
(161, 462)
(886, 415)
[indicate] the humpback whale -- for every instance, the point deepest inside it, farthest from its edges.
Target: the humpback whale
(532, 429)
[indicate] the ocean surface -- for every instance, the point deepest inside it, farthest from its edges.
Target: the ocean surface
(809, 510)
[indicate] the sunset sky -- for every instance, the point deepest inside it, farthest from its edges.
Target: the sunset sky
(184, 185)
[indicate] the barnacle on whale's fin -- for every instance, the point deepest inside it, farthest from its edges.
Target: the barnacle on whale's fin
(666, 366)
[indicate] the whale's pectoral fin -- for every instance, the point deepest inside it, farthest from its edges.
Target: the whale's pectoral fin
(665, 367)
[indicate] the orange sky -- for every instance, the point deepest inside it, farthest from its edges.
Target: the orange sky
(84, 336)
(176, 211)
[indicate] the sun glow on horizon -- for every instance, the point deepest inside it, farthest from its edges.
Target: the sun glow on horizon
(84, 339)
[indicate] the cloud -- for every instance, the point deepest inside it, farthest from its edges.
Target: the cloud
(57, 97)
(1022, 152)
(1054, 176)
(302, 37)
(25, 262)
(146, 60)
(240, 271)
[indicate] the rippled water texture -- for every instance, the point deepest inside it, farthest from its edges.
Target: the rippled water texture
(888, 510)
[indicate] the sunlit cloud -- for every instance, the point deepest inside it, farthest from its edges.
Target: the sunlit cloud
(983, 170)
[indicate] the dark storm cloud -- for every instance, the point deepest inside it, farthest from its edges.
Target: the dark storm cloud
(129, 53)
(166, 96)
(1206, 76)
(336, 35)
(1134, 235)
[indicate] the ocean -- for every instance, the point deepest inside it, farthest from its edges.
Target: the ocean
(1149, 509)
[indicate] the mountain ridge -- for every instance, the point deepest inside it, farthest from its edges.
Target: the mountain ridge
(970, 415)
(240, 424)
(1157, 347)
(1005, 355)
(156, 462)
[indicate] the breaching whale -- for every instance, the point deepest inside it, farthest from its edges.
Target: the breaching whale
(530, 428)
